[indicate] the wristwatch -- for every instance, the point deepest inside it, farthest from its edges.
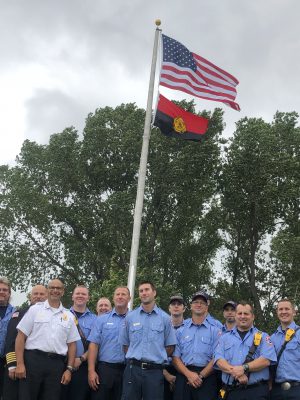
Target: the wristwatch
(70, 368)
(82, 359)
(246, 368)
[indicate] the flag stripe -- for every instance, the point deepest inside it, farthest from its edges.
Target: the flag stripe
(174, 76)
(193, 74)
(175, 82)
(187, 89)
(210, 66)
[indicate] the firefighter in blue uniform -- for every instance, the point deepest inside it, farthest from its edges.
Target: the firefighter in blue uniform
(244, 355)
(286, 339)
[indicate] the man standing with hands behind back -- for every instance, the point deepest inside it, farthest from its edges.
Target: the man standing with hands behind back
(46, 334)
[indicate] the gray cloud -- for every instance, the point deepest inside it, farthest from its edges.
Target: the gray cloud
(99, 53)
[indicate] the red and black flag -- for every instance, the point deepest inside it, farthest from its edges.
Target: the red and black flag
(176, 122)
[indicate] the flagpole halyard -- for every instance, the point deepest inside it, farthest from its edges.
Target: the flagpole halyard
(142, 173)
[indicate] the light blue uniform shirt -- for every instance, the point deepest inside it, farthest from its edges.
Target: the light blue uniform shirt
(105, 333)
(147, 335)
(3, 327)
(235, 350)
(86, 322)
(225, 329)
(288, 368)
(213, 321)
(196, 343)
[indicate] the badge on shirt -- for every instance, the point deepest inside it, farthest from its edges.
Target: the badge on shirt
(65, 317)
(15, 314)
(136, 324)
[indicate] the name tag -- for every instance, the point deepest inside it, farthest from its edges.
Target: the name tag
(136, 324)
(109, 323)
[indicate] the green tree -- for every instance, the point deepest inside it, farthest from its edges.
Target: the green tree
(250, 205)
(67, 207)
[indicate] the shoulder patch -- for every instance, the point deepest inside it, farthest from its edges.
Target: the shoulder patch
(268, 339)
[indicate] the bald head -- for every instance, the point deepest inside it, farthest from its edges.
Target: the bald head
(103, 305)
(38, 293)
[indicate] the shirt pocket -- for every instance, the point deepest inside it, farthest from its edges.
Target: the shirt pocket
(136, 333)
(109, 331)
(228, 351)
(156, 332)
(206, 346)
(292, 351)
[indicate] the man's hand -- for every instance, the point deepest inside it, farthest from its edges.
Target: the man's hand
(194, 379)
(170, 379)
(237, 371)
(12, 373)
(243, 380)
(20, 371)
(94, 380)
(66, 378)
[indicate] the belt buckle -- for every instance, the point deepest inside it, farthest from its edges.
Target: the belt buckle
(144, 365)
(286, 386)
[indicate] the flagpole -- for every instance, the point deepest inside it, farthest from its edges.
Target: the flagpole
(142, 174)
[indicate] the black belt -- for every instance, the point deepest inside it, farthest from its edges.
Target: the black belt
(245, 387)
(194, 368)
(48, 354)
(145, 364)
(113, 365)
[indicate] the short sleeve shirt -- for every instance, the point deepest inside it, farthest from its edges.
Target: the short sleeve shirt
(48, 329)
(147, 334)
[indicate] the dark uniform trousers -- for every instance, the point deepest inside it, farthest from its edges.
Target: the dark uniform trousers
(111, 381)
(146, 384)
(278, 394)
(2, 369)
(168, 393)
(260, 392)
(78, 388)
(43, 376)
(207, 391)
(11, 388)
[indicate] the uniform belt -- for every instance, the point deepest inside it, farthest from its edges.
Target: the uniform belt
(194, 368)
(145, 364)
(113, 365)
(48, 354)
(245, 387)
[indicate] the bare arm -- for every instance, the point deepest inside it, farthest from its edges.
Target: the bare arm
(19, 348)
(93, 377)
(67, 375)
(254, 366)
(224, 366)
(170, 350)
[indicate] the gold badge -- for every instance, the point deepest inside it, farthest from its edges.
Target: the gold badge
(65, 317)
(179, 125)
(289, 334)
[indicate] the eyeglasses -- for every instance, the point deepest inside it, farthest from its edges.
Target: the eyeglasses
(5, 290)
(55, 288)
(201, 303)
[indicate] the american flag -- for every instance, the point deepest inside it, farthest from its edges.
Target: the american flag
(190, 73)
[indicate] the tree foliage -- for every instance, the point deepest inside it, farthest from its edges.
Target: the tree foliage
(66, 209)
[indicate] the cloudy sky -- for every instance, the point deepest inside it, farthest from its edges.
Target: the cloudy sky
(62, 59)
